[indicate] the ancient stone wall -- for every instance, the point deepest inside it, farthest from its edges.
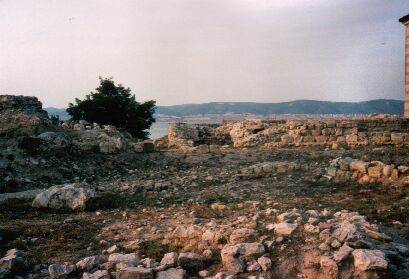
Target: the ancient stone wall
(368, 172)
(186, 135)
(373, 131)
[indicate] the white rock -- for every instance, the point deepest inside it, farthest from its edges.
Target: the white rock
(131, 258)
(134, 272)
(87, 263)
(253, 266)
(67, 196)
(369, 259)
(265, 263)
(284, 229)
(169, 259)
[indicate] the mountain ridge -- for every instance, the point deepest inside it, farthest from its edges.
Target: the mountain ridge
(386, 106)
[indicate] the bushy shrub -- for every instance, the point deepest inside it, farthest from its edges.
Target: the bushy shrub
(113, 104)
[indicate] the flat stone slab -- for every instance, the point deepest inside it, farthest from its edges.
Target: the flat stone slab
(24, 195)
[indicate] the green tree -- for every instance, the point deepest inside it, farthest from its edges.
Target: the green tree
(113, 104)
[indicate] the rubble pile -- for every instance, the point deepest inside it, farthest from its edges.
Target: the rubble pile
(37, 152)
(304, 244)
(20, 115)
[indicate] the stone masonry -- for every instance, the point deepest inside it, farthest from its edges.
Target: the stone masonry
(367, 131)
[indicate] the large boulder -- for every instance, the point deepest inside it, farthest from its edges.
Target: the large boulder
(107, 140)
(67, 196)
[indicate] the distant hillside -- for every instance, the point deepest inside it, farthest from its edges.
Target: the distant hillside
(62, 113)
(266, 109)
(294, 107)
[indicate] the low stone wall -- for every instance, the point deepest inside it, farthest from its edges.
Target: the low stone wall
(368, 172)
(372, 130)
(267, 168)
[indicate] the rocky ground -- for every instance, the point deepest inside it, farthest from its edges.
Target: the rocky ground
(163, 202)
(262, 200)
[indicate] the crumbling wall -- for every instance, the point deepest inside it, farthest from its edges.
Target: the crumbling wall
(21, 115)
(368, 172)
(191, 135)
(372, 130)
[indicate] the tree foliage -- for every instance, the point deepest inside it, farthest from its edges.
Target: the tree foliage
(113, 104)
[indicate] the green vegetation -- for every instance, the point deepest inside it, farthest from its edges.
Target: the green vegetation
(113, 104)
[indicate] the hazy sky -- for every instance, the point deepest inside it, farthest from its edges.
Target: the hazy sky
(193, 51)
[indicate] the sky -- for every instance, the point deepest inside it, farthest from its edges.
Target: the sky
(196, 51)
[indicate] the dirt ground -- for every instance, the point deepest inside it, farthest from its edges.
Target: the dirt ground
(171, 188)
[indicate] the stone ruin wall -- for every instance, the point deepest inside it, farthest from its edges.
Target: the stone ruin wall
(368, 172)
(333, 133)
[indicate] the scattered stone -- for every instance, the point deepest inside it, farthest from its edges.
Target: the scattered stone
(242, 235)
(265, 263)
(169, 259)
(60, 271)
(87, 263)
(284, 229)
(172, 273)
(191, 261)
(112, 249)
(369, 259)
(135, 273)
(100, 274)
(131, 258)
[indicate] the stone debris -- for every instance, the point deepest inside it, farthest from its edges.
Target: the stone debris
(169, 259)
(343, 242)
(369, 259)
(172, 273)
(135, 273)
(87, 263)
(99, 274)
(68, 196)
(60, 270)
(200, 213)
(191, 261)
